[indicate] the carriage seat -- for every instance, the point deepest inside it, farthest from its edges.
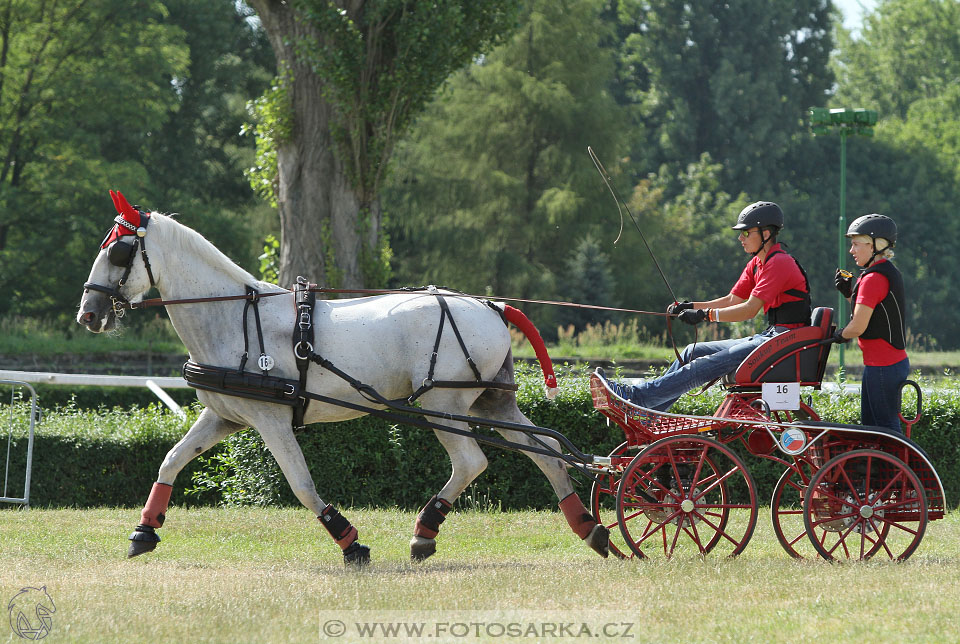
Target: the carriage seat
(793, 356)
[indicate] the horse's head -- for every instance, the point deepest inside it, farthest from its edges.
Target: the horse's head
(121, 272)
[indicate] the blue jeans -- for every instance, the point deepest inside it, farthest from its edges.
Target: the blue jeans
(880, 395)
(703, 362)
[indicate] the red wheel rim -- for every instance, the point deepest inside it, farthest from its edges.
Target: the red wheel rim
(786, 510)
(677, 497)
(603, 504)
(865, 503)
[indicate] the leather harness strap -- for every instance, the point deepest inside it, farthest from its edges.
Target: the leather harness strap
(303, 350)
(305, 298)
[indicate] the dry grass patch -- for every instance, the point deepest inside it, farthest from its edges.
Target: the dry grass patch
(266, 575)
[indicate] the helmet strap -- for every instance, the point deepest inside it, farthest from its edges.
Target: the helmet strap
(763, 242)
(873, 240)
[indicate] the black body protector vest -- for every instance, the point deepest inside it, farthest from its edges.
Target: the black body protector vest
(887, 322)
(796, 312)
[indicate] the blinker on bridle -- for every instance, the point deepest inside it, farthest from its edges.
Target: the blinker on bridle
(123, 254)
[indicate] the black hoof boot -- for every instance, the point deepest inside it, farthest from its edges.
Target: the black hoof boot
(356, 554)
(143, 539)
(599, 540)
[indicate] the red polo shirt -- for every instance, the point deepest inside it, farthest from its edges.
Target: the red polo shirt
(876, 352)
(770, 280)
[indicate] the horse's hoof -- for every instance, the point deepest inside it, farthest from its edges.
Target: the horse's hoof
(599, 540)
(356, 554)
(421, 548)
(143, 539)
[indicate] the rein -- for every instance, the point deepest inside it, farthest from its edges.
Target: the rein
(372, 291)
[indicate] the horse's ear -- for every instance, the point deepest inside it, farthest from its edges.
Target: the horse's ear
(125, 209)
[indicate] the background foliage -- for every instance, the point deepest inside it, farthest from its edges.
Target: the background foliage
(695, 108)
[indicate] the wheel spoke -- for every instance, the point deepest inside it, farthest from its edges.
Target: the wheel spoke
(676, 536)
(717, 482)
(899, 526)
(900, 476)
(717, 529)
(696, 537)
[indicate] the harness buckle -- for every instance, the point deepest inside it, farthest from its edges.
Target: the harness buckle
(305, 318)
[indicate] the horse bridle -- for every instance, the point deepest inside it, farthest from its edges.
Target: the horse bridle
(122, 254)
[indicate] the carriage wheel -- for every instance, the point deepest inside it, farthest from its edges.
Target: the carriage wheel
(686, 495)
(786, 510)
(863, 503)
(603, 503)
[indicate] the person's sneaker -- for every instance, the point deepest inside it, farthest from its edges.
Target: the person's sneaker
(621, 390)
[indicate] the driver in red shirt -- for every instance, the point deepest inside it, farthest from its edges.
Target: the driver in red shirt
(772, 281)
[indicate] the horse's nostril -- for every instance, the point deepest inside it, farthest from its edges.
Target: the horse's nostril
(89, 317)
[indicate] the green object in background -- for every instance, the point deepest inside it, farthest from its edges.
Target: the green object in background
(847, 121)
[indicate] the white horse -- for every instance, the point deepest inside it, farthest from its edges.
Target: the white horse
(384, 341)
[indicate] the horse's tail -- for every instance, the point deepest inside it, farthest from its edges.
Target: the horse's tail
(522, 322)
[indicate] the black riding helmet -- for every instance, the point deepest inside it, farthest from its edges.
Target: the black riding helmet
(876, 226)
(764, 215)
(761, 214)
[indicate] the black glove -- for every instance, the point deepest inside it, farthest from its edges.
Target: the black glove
(844, 283)
(693, 316)
(838, 337)
(678, 307)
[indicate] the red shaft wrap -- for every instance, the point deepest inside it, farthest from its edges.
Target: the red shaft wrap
(581, 521)
(154, 512)
(518, 319)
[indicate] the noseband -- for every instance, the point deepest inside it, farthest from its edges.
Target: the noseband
(122, 254)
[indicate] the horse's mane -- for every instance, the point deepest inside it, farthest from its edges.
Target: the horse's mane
(193, 242)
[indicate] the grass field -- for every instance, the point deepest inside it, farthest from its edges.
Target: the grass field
(272, 575)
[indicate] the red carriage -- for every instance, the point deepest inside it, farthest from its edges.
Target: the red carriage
(676, 484)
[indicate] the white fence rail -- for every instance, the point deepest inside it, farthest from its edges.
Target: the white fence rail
(156, 385)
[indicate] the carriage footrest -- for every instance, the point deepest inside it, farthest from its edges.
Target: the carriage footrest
(242, 384)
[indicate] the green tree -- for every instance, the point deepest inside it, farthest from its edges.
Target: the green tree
(198, 156)
(83, 84)
(729, 78)
(587, 279)
(907, 50)
(353, 76)
(495, 187)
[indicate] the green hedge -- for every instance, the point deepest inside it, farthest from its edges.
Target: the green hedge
(110, 457)
(84, 458)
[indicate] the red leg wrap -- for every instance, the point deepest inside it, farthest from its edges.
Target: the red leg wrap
(339, 528)
(154, 512)
(581, 521)
(430, 518)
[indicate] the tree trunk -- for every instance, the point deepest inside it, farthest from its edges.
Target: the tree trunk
(321, 233)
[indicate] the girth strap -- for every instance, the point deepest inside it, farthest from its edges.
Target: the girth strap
(241, 384)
